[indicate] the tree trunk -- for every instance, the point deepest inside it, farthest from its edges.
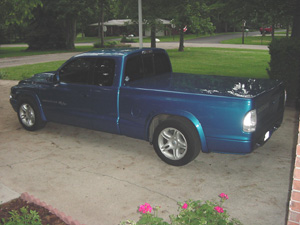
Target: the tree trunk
(273, 31)
(181, 46)
(101, 24)
(70, 32)
(153, 36)
(296, 22)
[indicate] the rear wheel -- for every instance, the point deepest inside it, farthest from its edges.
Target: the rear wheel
(29, 115)
(176, 142)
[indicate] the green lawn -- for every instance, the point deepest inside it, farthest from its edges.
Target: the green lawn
(26, 71)
(218, 61)
(80, 39)
(21, 51)
(170, 38)
(175, 38)
(211, 61)
(252, 40)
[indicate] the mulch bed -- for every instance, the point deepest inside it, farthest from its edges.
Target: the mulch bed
(46, 216)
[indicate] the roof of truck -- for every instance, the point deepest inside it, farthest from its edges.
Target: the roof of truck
(117, 52)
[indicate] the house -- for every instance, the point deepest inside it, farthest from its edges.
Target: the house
(127, 27)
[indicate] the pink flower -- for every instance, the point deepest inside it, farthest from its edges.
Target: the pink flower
(184, 206)
(219, 209)
(145, 208)
(224, 196)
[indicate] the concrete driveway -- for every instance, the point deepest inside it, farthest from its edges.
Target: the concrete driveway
(99, 178)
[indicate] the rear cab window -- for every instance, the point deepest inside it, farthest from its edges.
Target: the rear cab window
(146, 65)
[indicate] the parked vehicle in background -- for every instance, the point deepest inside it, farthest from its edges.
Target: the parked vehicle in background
(266, 30)
(134, 92)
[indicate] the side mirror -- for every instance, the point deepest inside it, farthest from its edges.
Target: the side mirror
(56, 78)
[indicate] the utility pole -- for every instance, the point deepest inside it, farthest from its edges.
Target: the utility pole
(140, 23)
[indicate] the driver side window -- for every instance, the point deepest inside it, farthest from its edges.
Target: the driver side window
(77, 71)
(104, 72)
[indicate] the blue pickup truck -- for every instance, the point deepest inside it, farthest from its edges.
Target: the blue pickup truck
(134, 92)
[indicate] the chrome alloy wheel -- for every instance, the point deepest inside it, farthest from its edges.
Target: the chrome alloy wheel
(27, 115)
(172, 143)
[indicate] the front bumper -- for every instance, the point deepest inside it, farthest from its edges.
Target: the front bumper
(14, 103)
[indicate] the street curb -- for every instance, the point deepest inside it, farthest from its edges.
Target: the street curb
(67, 219)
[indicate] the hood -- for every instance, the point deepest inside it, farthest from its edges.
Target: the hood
(39, 78)
(208, 84)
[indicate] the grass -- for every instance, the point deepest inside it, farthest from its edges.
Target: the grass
(217, 61)
(253, 40)
(26, 71)
(211, 61)
(80, 39)
(21, 51)
(175, 38)
(172, 38)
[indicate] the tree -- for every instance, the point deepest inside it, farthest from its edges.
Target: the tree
(104, 7)
(226, 14)
(190, 14)
(13, 13)
(54, 24)
(151, 14)
(294, 9)
(153, 10)
(16, 11)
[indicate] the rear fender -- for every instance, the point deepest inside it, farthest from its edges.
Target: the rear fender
(155, 119)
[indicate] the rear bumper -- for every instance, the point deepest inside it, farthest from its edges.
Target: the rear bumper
(240, 146)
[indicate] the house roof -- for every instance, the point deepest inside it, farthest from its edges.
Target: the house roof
(125, 22)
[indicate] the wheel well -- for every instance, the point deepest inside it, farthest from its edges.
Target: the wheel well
(163, 117)
(35, 100)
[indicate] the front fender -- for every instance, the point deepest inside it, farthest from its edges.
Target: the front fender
(34, 96)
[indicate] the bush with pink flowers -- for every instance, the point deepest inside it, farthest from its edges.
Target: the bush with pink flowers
(190, 212)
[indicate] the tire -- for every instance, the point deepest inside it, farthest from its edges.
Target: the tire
(176, 142)
(29, 115)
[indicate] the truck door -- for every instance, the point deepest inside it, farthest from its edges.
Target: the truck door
(104, 96)
(68, 101)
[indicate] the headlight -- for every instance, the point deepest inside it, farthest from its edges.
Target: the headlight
(249, 122)
(285, 96)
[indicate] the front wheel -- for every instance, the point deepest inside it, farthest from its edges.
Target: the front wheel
(176, 142)
(29, 115)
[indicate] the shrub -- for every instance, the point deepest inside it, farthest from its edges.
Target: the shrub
(190, 212)
(127, 40)
(3, 74)
(110, 44)
(285, 65)
(30, 218)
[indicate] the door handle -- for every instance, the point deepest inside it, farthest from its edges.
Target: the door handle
(85, 95)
